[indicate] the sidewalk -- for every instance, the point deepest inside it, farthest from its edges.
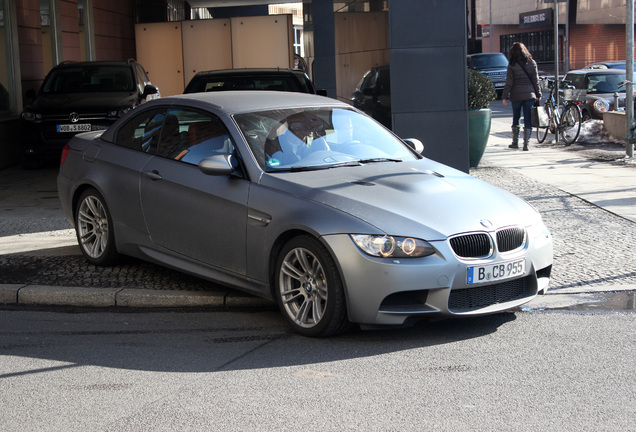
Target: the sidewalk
(604, 184)
(34, 236)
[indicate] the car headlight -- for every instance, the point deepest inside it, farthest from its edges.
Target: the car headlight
(31, 116)
(601, 106)
(386, 246)
(118, 112)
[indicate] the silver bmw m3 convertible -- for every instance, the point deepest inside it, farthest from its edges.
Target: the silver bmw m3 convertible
(306, 201)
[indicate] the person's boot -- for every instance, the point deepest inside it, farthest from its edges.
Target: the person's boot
(515, 138)
(526, 138)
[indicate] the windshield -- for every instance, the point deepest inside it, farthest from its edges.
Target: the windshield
(89, 79)
(303, 138)
(276, 83)
(604, 83)
(489, 61)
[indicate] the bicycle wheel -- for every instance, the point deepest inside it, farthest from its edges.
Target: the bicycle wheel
(542, 133)
(570, 124)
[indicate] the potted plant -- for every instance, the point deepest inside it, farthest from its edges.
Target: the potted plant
(481, 92)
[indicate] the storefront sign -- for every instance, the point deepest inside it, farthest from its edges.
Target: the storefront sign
(537, 18)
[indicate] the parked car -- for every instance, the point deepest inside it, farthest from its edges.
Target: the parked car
(304, 200)
(600, 86)
(79, 97)
(373, 94)
(493, 65)
(277, 79)
(608, 65)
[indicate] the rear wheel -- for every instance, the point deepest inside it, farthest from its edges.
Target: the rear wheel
(542, 133)
(94, 228)
(309, 290)
(570, 124)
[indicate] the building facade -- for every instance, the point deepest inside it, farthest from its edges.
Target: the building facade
(588, 30)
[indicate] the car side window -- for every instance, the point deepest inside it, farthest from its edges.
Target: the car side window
(141, 132)
(190, 136)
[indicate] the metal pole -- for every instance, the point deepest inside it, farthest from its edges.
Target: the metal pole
(566, 50)
(490, 26)
(629, 87)
(556, 62)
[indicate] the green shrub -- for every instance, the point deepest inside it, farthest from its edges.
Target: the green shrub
(481, 91)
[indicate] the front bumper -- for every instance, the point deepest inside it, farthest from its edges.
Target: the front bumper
(384, 291)
(42, 141)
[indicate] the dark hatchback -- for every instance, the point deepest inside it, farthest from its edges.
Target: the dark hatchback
(79, 97)
(276, 79)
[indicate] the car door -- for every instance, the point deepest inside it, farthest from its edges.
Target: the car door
(199, 216)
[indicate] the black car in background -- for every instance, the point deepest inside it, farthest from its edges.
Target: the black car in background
(277, 79)
(79, 97)
(493, 65)
(373, 95)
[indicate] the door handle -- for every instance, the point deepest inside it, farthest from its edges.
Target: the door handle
(153, 175)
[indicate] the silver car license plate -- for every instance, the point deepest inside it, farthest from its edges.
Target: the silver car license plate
(495, 272)
(74, 127)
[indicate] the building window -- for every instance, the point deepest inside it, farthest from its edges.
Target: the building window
(540, 44)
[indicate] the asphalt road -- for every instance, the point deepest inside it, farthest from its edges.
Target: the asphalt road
(527, 371)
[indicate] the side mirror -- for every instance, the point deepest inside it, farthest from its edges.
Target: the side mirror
(218, 165)
(415, 144)
(150, 89)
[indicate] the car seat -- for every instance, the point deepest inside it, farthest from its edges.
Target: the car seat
(171, 137)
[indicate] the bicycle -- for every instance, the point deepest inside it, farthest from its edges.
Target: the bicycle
(567, 123)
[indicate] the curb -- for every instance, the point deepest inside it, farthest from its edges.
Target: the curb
(126, 297)
(40, 295)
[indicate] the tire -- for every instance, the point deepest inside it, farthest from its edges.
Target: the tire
(585, 116)
(309, 289)
(94, 229)
(542, 133)
(570, 124)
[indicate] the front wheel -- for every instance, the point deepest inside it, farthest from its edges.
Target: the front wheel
(94, 228)
(309, 290)
(570, 124)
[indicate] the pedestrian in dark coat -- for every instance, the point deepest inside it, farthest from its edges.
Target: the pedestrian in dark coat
(522, 89)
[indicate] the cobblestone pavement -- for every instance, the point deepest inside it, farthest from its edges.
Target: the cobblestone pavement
(591, 245)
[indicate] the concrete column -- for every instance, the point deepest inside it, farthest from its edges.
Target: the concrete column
(428, 76)
(324, 46)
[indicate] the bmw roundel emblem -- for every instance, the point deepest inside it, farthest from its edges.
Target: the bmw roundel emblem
(486, 223)
(74, 117)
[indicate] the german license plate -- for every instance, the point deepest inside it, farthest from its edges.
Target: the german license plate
(495, 272)
(74, 127)
(499, 84)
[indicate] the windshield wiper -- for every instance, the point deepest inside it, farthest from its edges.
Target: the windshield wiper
(322, 167)
(374, 160)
